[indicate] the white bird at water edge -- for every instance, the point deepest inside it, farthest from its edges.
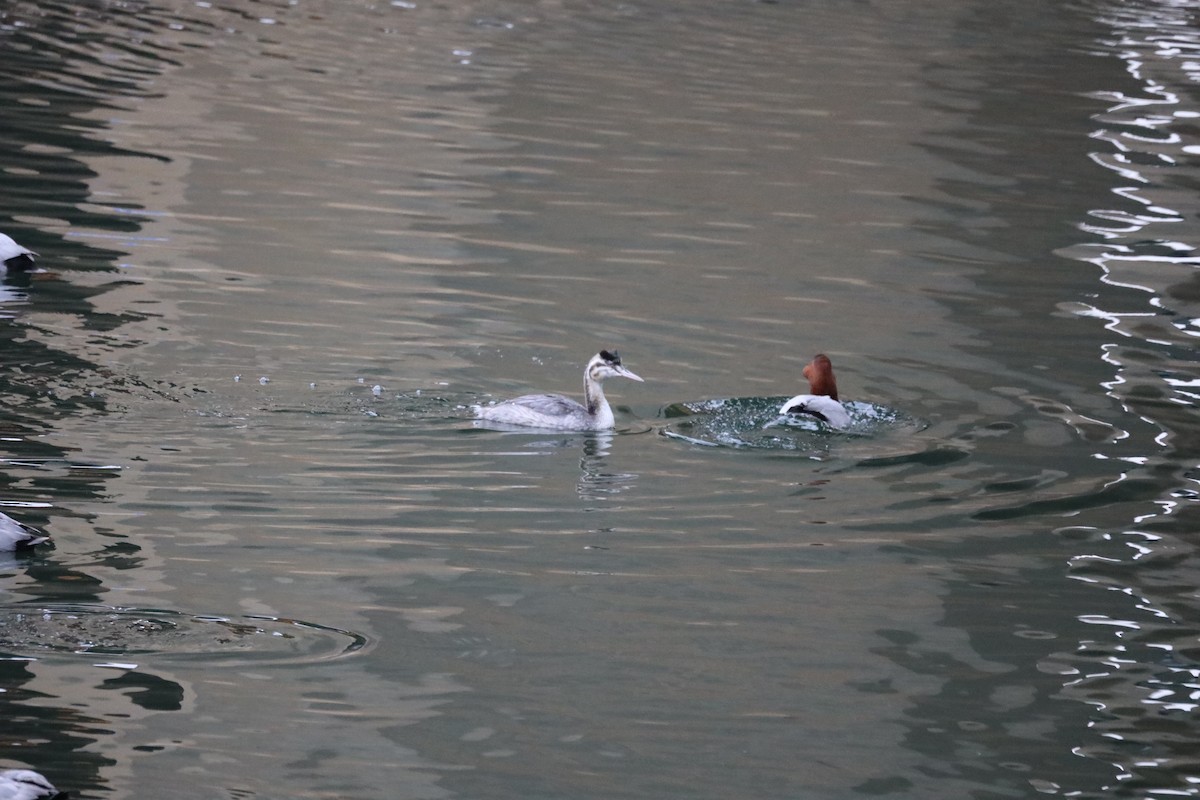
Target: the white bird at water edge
(18, 536)
(25, 784)
(14, 256)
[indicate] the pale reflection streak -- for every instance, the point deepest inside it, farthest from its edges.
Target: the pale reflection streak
(596, 480)
(1147, 151)
(1140, 671)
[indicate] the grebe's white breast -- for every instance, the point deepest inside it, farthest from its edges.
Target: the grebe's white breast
(559, 412)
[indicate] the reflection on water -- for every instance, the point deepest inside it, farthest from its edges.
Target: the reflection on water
(57, 328)
(1134, 666)
(598, 480)
(373, 214)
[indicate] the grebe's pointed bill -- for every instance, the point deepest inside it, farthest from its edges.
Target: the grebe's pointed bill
(609, 366)
(627, 373)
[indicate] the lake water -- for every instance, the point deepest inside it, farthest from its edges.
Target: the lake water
(287, 244)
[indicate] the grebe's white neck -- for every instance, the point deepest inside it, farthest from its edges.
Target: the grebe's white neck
(603, 365)
(596, 403)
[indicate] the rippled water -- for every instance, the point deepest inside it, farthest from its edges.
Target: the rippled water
(287, 245)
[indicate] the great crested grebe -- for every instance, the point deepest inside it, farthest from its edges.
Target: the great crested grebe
(14, 256)
(558, 412)
(18, 536)
(822, 403)
(25, 784)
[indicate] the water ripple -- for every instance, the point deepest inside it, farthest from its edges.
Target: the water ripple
(755, 422)
(217, 640)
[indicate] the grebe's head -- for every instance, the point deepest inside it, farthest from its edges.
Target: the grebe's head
(607, 364)
(820, 376)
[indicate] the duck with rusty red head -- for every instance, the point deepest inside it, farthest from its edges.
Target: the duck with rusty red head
(822, 400)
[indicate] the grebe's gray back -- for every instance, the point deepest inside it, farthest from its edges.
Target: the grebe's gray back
(558, 412)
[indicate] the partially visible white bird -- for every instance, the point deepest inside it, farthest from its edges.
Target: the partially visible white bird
(822, 403)
(25, 784)
(14, 256)
(18, 536)
(561, 413)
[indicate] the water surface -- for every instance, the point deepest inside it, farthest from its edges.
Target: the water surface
(287, 246)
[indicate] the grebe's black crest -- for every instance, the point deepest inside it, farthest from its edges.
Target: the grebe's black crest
(612, 358)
